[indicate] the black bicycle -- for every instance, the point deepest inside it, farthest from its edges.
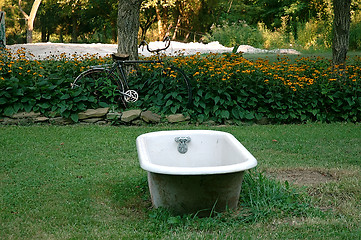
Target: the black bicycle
(167, 88)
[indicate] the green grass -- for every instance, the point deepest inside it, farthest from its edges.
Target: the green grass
(84, 182)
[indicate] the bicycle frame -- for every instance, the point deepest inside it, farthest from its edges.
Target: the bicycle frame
(118, 66)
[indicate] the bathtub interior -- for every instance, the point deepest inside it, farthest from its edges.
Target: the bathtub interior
(207, 149)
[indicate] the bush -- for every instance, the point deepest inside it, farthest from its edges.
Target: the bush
(43, 86)
(225, 87)
(231, 87)
(235, 34)
(314, 34)
(279, 38)
(355, 36)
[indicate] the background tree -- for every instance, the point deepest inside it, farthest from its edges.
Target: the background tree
(341, 31)
(30, 19)
(48, 19)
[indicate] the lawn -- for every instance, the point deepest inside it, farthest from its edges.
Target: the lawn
(84, 182)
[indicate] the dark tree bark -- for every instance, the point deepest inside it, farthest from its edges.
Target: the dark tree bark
(341, 31)
(128, 27)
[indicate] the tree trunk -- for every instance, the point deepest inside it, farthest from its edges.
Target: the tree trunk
(128, 27)
(75, 30)
(30, 19)
(176, 27)
(341, 30)
(162, 17)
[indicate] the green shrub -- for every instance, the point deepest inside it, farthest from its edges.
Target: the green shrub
(279, 38)
(43, 86)
(355, 36)
(225, 87)
(314, 34)
(235, 34)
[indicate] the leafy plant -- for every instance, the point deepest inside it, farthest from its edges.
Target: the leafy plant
(225, 87)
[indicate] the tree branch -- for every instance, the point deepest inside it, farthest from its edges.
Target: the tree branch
(22, 11)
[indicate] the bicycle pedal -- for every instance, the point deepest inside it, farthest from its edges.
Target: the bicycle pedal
(131, 96)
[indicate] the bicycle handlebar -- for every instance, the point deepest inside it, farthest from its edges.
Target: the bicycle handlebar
(167, 44)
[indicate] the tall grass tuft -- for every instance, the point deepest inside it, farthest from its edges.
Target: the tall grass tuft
(263, 198)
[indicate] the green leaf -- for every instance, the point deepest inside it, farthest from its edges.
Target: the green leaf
(65, 96)
(44, 105)
(174, 109)
(8, 111)
(225, 114)
(208, 95)
(74, 117)
(169, 102)
(216, 99)
(103, 104)
(28, 107)
(235, 113)
(46, 96)
(17, 106)
(215, 108)
(250, 115)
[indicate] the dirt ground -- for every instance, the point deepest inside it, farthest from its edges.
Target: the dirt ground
(303, 177)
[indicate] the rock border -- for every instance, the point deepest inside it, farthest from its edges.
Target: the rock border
(101, 116)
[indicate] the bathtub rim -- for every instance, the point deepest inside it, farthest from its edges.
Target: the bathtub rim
(147, 165)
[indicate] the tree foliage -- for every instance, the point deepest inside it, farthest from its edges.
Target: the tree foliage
(95, 20)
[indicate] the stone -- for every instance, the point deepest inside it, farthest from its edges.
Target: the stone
(175, 118)
(130, 115)
(150, 117)
(138, 122)
(41, 119)
(93, 113)
(26, 115)
(9, 121)
(210, 123)
(92, 120)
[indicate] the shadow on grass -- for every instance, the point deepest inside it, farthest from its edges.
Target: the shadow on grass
(131, 192)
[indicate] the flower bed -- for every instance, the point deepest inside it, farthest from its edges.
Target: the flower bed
(225, 87)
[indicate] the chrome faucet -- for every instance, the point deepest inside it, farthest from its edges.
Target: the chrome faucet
(182, 144)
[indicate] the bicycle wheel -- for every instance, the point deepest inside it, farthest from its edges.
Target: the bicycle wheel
(168, 91)
(101, 86)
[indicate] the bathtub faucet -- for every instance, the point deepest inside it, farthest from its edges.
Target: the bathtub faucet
(182, 143)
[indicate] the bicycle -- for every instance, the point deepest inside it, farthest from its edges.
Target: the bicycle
(170, 92)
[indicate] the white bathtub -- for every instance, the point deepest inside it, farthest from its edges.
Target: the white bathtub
(207, 177)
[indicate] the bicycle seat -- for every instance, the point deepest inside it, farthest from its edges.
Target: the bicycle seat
(120, 56)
